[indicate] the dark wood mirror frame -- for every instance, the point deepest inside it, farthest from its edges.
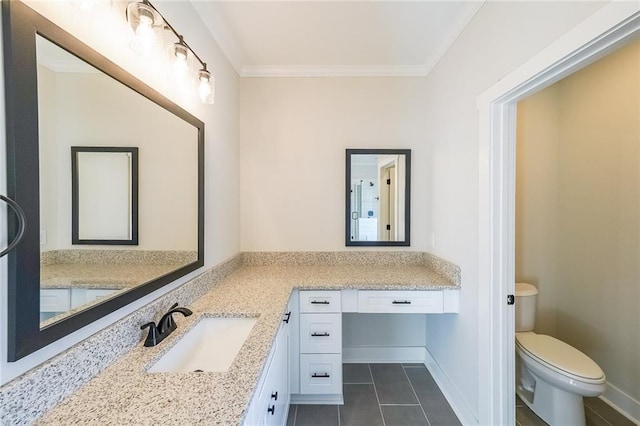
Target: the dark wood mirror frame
(407, 197)
(20, 26)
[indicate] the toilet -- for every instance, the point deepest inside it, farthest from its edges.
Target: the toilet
(552, 377)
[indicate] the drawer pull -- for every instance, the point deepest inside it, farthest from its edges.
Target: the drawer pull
(320, 302)
(320, 334)
(287, 317)
(274, 395)
(322, 376)
(401, 302)
(271, 410)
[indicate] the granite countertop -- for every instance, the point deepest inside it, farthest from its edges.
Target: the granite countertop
(124, 393)
(92, 275)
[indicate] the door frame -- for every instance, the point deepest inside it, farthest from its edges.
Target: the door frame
(607, 29)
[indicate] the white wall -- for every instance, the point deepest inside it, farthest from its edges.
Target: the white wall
(501, 36)
(167, 157)
(107, 32)
(593, 196)
(293, 133)
(293, 136)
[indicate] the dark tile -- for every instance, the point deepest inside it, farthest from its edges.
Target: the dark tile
(317, 415)
(526, 417)
(356, 373)
(593, 419)
(360, 406)
(403, 415)
(607, 412)
(392, 385)
(519, 402)
(435, 405)
(413, 365)
(291, 418)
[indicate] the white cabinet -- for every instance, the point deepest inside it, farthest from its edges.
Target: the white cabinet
(270, 404)
(321, 333)
(320, 374)
(320, 301)
(82, 296)
(320, 343)
(414, 302)
(408, 301)
(306, 358)
(54, 301)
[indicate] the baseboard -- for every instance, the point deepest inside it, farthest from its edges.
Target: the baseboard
(457, 402)
(328, 399)
(623, 403)
(377, 354)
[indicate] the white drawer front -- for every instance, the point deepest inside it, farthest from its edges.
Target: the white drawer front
(414, 302)
(321, 333)
(82, 296)
(320, 373)
(55, 300)
(320, 301)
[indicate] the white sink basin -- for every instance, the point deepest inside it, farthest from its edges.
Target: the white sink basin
(211, 345)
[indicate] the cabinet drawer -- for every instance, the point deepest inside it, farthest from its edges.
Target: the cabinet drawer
(320, 301)
(82, 296)
(320, 373)
(415, 302)
(321, 333)
(55, 300)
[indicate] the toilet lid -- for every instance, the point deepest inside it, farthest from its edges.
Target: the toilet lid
(560, 355)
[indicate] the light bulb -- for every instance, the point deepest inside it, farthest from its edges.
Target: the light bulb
(145, 38)
(180, 64)
(205, 86)
(143, 19)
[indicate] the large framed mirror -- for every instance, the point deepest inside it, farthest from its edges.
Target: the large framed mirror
(378, 197)
(61, 94)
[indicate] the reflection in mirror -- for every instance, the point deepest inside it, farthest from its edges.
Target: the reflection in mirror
(378, 197)
(80, 105)
(104, 193)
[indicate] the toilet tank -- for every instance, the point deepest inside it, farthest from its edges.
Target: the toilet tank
(526, 295)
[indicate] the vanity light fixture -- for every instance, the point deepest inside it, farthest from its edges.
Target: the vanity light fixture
(146, 21)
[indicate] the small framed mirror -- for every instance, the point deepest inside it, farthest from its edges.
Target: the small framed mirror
(378, 195)
(104, 195)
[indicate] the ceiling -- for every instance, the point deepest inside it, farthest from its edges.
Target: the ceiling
(335, 38)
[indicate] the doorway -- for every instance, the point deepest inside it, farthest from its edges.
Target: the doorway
(387, 202)
(611, 27)
(578, 220)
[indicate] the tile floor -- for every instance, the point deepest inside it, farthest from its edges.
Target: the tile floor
(596, 411)
(381, 395)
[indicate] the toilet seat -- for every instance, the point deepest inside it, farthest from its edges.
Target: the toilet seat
(560, 357)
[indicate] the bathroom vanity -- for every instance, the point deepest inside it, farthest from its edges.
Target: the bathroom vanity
(297, 355)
